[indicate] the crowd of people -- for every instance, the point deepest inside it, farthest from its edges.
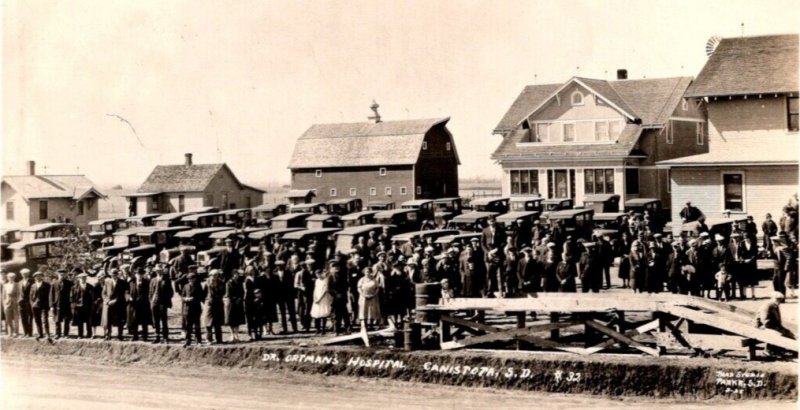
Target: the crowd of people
(285, 289)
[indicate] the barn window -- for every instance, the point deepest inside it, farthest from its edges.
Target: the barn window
(42, 209)
(793, 113)
(576, 98)
(333, 192)
(448, 146)
(318, 173)
(382, 172)
(9, 211)
(403, 190)
(733, 191)
(424, 144)
(353, 192)
(388, 191)
(373, 191)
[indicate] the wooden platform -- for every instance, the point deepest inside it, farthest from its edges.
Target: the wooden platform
(588, 323)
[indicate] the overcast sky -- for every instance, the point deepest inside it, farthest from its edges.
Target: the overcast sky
(240, 82)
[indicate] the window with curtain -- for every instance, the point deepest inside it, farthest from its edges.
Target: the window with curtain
(733, 191)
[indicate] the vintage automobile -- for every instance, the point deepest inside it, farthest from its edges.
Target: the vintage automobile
(312, 208)
(264, 213)
(204, 220)
(359, 218)
(462, 239)
(46, 230)
(525, 203)
(171, 219)
(526, 218)
(323, 237)
(142, 220)
(32, 253)
(639, 205)
(576, 222)
(380, 206)
(100, 231)
(471, 221)
(344, 206)
(446, 209)
(347, 238)
(8, 237)
(194, 239)
(151, 242)
(238, 218)
(608, 224)
(404, 220)
(424, 206)
(290, 220)
(270, 236)
(120, 241)
(716, 226)
(423, 236)
(602, 203)
(323, 221)
(555, 204)
(247, 247)
(491, 204)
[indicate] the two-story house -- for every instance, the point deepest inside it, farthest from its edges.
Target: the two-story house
(750, 85)
(32, 199)
(190, 186)
(393, 161)
(588, 136)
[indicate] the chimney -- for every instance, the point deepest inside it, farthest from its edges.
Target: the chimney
(622, 74)
(188, 159)
(30, 167)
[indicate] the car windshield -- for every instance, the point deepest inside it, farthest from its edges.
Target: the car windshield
(121, 240)
(96, 228)
(19, 254)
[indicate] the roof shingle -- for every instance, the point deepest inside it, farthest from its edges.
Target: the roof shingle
(749, 65)
(52, 186)
(362, 144)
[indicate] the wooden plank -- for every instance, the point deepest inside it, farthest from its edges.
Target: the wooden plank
(676, 333)
(355, 336)
(622, 338)
(722, 323)
(702, 341)
(511, 334)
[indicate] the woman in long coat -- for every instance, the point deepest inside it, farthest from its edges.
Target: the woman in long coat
(233, 302)
(549, 279)
(269, 293)
(638, 267)
(114, 304)
(369, 308)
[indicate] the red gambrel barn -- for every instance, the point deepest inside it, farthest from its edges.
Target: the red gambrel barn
(392, 161)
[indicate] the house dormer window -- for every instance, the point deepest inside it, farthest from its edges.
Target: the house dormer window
(576, 98)
(685, 105)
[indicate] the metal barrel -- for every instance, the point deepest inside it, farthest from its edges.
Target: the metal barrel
(412, 336)
(426, 294)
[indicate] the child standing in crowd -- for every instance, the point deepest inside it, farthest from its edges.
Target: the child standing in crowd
(723, 278)
(321, 309)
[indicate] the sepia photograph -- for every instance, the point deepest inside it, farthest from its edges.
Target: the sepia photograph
(411, 204)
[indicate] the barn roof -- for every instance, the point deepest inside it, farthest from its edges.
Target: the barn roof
(749, 65)
(650, 100)
(74, 187)
(362, 144)
(185, 178)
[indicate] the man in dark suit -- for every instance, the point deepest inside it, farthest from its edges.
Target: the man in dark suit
(180, 267)
(284, 296)
(40, 304)
(192, 296)
(115, 290)
(492, 237)
(60, 292)
(82, 302)
(139, 314)
(690, 213)
(160, 302)
(25, 312)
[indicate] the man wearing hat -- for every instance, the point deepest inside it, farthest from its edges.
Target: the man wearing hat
(590, 268)
(115, 290)
(676, 260)
(82, 301)
(160, 302)
(40, 304)
(192, 298)
(140, 317)
(690, 213)
(492, 238)
(284, 296)
(304, 290)
(25, 312)
(180, 266)
(339, 288)
(447, 268)
(769, 317)
(60, 291)
(229, 259)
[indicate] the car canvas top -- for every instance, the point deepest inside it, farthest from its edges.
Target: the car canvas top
(23, 244)
(513, 216)
(269, 232)
(200, 231)
(473, 216)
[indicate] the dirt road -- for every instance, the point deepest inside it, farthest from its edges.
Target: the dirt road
(71, 384)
